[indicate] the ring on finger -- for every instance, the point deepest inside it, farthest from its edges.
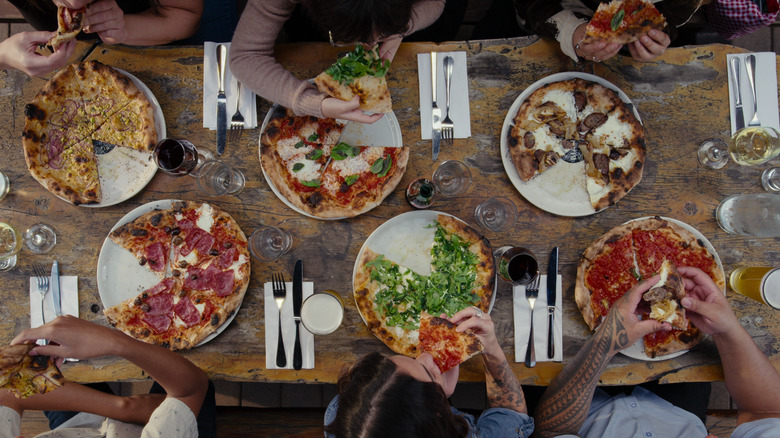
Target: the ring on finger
(478, 312)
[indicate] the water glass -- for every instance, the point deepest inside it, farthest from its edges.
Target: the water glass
(322, 312)
(516, 265)
(40, 238)
(755, 214)
(452, 178)
(10, 244)
(770, 180)
(759, 283)
(497, 214)
(713, 153)
(268, 243)
(216, 178)
(5, 185)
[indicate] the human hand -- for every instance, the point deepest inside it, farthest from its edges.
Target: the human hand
(705, 303)
(71, 337)
(72, 4)
(389, 47)
(19, 52)
(479, 323)
(649, 46)
(623, 324)
(347, 110)
(598, 51)
(105, 18)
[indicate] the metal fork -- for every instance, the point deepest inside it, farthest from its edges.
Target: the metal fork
(237, 121)
(531, 292)
(446, 124)
(280, 294)
(43, 287)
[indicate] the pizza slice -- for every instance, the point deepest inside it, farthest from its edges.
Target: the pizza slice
(69, 22)
(661, 343)
(440, 339)
(26, 375)
(623, 21)
(665, 296)
(148, 237)
(71, 173)
(358, 73)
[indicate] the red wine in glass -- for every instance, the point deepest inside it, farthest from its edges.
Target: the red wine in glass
(517, 265)
(176, 157)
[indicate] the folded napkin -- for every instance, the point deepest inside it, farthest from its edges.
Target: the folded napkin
(459, 95)
(766, 90)
(69, 300)
(288, 328)
(522, 327)
(211, 88)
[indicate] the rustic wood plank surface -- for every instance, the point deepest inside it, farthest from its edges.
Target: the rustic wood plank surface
(682, 99)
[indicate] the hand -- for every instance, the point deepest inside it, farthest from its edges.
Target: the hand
(649, 46)
(482, 326)
(626, 312)
(347, 110)
(598, 51)
(105, 18)
(705, 303)
(76, 337)
(72, 4)
(19, 52)
(388, 48)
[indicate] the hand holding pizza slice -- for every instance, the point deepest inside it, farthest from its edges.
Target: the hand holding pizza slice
(26, 375)
(69, 23)
(444, 343)
(358, 73)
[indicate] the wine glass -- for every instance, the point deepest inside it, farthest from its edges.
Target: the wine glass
(216, 178)
(10, 244)
(40, 238)
(5, 185)
(713, 153)
(770, 180)
(516, 265)
(268, 243)
(179, 157)
(420, 193)
(497, 214)
(452, 178)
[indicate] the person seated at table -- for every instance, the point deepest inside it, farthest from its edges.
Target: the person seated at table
(569, 405)
(566, 21)
(398, 396)
(343, 22)
(169, 414)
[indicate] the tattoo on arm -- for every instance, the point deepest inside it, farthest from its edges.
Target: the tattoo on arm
(503, 389)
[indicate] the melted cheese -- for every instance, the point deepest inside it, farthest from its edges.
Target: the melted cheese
(205, 217)
(664, 311)
(309, 171)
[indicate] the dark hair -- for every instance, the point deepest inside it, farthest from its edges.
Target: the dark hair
(377, 401)
(361, 20)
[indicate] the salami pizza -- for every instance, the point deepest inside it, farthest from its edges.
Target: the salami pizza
(84, 109)
(391, 297)
(567, 122)
(303, 159)
(444, 343)
(359, 73)
(630, 253)
(69, 22)
(202, 258)
(26, 375)
(623, 21)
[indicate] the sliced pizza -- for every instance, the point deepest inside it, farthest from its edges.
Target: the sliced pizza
(69, 23)
(664, 297)
(359, 73)
(444, 343)
(26, 375)
(623, 21)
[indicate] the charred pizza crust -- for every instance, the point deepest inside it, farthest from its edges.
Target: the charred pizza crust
(69, 22)
(26, 375)
(623, 21)
(444, 343)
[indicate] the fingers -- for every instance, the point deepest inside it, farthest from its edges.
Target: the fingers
(634, 295)
(347, 110)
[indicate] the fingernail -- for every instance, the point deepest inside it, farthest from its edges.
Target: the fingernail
(685, 302)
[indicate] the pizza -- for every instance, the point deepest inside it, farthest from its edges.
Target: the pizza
(26, 375)
(630, 253)
(447, 346)
(390, 297)
(84, 110)
(623, 21)
(202, 258)
(567, 122)
(69, 22)
(664, 297)
(359, 73)
(304, 160)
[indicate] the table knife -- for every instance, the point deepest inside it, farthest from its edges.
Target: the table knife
(435, 110)
(297, 291)
(739, 121)
(55, 288)
(221, 100)
(552, 296)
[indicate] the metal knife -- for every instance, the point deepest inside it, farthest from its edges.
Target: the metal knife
(55, 288)
(297, 293)
(739, 121)
(435, 110)
(221, 100)
(552, 296)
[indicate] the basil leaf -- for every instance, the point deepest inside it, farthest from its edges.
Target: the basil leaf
(617, 20)
(386, 165)
(314, 155)
(378, 165)
(297, 167)
(349, 180)
(299, 145)
(312, 183)
(313, 137)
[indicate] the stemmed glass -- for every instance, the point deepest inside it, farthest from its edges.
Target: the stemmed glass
(268, 243)
(10, 244)
(216, 178)
(452, 178)
(497, 214)
(179, 157)
(40, 238)
(5, 185)
(713, 153)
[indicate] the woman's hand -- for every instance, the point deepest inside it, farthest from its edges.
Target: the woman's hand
(347, 110)
(19, 52)
(71, 337)
(389, 47)
(105, 18)
(598, 51)
(479, 323)
(649, 46)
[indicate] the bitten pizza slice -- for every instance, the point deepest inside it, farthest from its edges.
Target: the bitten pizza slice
(665, 296)
(623, 21)
(26, 375)
(358, 73)
(69, 23)
(440, 339)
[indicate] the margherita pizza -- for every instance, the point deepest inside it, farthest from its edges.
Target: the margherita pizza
(359, 73)
(623, 21)
(303, 159)
(202, 257)
(390, 297)
(447, 346)
(82, 108)
(26, 375)
(630, 253)
(576, 120)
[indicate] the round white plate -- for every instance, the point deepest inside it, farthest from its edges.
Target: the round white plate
(561, 189)
(384, 132)
(120, 277)
(407, 240)
(637, 350)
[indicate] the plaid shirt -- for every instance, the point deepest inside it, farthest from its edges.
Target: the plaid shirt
(734, 18)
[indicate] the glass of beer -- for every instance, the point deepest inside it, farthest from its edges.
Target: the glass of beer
(516, 265)
(759, 283)
(322, 312)
(754, 145)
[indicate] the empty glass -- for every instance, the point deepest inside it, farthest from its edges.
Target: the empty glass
(713, 153)
(40, 238)
(452, 178)
(10, 244)
(216, 178)
(268, 243)
(770, 180)
(5, 185)
(497, 214)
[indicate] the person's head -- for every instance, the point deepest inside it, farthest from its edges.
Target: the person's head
(395, 396)
(362, 21)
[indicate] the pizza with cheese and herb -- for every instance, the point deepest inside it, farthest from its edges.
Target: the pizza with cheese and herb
(623, 21)
(359, 73)
(444, 343)
(304, 160)
(26, 375)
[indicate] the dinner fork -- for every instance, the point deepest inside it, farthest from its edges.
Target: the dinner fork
(531, 292)
(43, 287)
(237, 121)
(280, 294)
(446, 124)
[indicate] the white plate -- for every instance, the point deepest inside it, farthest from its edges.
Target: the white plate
(123, 171)
(637, 350)
(407, 239)
(561, 189)
(384, 132)
(120, 277)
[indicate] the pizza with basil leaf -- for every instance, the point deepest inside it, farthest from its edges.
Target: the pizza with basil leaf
(359, 73)
(623, 21)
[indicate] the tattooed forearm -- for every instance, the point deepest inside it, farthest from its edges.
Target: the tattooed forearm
(503, 389)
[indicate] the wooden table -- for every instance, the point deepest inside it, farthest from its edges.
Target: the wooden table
(682, 99)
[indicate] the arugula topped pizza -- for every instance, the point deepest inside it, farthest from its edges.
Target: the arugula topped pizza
(359, 73)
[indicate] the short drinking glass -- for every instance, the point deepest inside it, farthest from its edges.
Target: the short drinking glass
(770, 180)
(516, 265)
(752, 214)
(452, 178)
(268, 243)
(5, 185)
(497, 214)
(40, 238)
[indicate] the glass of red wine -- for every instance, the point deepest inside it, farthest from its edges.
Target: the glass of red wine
(516, 265)
(179, 157)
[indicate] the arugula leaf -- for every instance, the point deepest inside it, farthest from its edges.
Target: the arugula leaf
(358, 63)
(311, 183)
(297, 167)
(617, 20)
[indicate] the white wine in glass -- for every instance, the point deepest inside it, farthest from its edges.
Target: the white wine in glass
(754, 145)
(10, 244)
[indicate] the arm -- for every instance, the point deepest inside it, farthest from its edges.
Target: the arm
(18, 51)
(745, 367)
(564, 406)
